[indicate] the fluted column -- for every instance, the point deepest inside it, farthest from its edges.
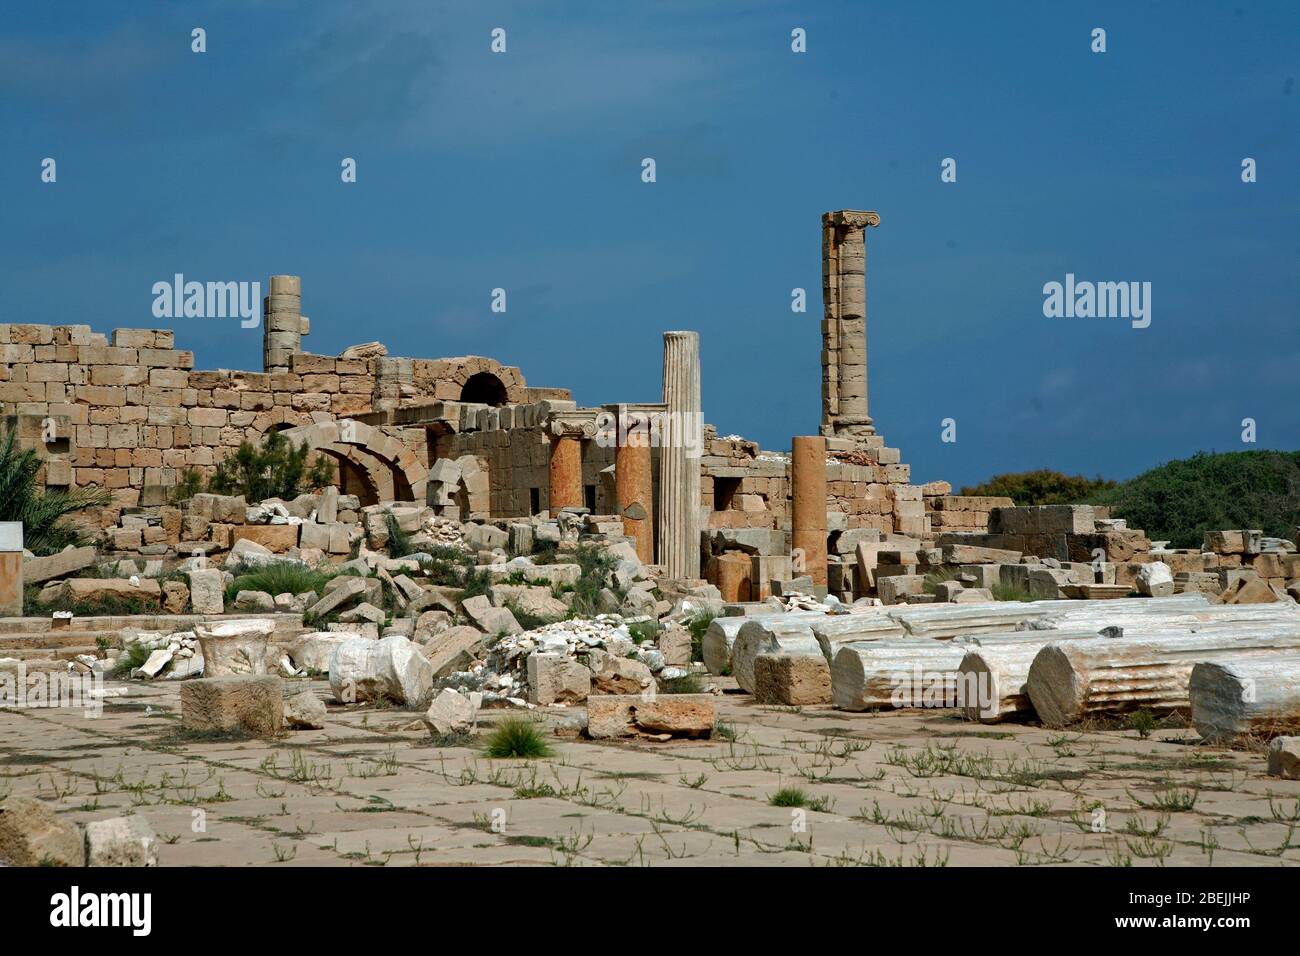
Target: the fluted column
(844, 323)
(679, 458)
(808, 507)
(634, 488)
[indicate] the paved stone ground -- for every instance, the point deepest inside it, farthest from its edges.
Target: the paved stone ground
(914, 788)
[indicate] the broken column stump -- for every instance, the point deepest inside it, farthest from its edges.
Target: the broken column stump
(252, 703)
(631, 715)
(791, 680)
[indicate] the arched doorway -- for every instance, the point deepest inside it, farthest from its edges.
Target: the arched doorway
(483, 388)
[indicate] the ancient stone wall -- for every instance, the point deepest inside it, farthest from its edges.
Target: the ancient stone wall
(128, 412)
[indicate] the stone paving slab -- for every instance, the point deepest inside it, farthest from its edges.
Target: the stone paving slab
(876, 789)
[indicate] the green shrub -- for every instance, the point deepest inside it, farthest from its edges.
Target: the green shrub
(643, 631)
(447, 565)
(399, 542)
(1181, 500)
(190, 483)
(1041, 487)
(686, 684)
(517, 738)
(1143, 721)
(698, 625)
(1010, 592)
(475, 582)
(133, 655)
(596, 566)
(42, 511)
(275, 469)
(110, 605)
(277, 578)
(789, 797)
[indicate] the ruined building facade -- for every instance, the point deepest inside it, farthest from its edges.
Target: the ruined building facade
(130, 413)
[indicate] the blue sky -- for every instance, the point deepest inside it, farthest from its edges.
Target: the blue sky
(522, 171)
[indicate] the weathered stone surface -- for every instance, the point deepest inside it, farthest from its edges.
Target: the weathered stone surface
(364, 612)
(234, 647)
(1284, 758)
(251, 703)
(675, 645)
(245, 552)
(430, 624)
(791, 680)
(391, 668)
(312, 652)
(207, 591)
(31, 834)
(1248, 591)
(80, 590)
(349, 588)
(618, 675)
(176, 596)
(1155, 580)
(1239, 696)
(254, 601)
(533, 599)
(557, 678)
(36, 570)
(453, 649)
(626, 715)
(1073, 679)
(492, 620)
(452, 712)
(891, 588)
(304, 711)
(156, 661)
(121, 841)
(277, 538)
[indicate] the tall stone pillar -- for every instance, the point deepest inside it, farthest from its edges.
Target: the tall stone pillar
(808, 507)
(283, 324)
(11, 569)
(566, 473)
(679, 457)
(634, 487)
(844, 323)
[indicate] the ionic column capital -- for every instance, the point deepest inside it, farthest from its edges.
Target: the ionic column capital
(852, 218)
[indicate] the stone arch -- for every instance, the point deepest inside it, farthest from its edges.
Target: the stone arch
(446, 379)
(370, 448)
(484, 388)
(277, 419)
(374, 476)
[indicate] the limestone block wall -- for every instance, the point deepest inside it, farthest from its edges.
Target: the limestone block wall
(745, 487)
(961, 512)
(128, 411)
(518, 462)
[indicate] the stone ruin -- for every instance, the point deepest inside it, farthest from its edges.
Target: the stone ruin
(471, 439)
(468, 438)
(794, 552)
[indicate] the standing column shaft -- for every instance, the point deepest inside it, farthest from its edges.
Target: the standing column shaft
(634, 490)
(11, 568)
(844, 323)
(679, 458)
(566, 473)
(808, 491)
(282, 323)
